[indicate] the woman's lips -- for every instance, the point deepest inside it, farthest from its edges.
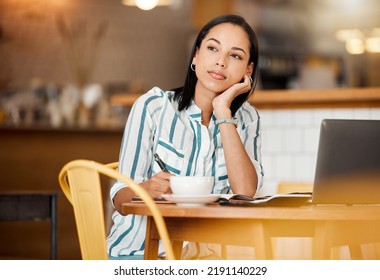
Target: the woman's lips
(217, 75)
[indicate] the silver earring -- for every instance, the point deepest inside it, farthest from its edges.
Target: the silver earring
(192, 66)
(250, 79)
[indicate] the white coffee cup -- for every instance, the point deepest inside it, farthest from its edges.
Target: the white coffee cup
(191, 185)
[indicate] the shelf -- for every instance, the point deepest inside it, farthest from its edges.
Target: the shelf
(317, 98)
(298, 99)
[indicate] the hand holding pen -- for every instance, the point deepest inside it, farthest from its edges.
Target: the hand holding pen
(160, 163)
(158, 184)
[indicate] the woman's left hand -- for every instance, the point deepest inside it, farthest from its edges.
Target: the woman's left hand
(222, 102)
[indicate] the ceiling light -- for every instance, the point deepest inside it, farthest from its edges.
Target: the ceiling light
(355, 46)
(372, 44)
(359, 41)
(346, 34)
(147, 4)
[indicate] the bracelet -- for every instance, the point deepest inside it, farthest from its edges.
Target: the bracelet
(233, 121)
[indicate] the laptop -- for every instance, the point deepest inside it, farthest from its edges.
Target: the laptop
(348, 163)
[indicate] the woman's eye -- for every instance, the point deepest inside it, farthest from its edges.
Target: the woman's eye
(236, 56)
(212, 48)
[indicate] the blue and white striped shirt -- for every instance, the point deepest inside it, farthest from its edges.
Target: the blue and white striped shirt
(185, 145)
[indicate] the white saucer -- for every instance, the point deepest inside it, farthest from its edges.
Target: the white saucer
(191, 200)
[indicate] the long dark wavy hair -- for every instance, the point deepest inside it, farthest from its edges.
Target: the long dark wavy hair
(185, 94)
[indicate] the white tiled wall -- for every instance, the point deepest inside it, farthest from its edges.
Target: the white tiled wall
(290, 141)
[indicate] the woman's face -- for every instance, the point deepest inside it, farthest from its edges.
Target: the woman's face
(222, 58)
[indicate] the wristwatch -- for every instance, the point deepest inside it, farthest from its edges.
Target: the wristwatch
(233, 121)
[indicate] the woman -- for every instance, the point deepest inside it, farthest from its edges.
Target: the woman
(204, 128)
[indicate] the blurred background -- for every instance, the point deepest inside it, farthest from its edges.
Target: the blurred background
(50, 47)
(64, 62)
(152, 46)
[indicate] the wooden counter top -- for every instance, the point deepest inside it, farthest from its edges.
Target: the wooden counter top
(327, 98)
(298, 99)
(36, 128)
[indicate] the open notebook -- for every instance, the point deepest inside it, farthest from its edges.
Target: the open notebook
(289, 200)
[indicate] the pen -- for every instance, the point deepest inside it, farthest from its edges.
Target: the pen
(160, 163)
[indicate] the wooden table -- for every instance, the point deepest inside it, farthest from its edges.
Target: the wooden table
(254, 226)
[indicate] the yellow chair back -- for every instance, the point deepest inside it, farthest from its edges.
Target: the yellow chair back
(80, 182)
(289, 187)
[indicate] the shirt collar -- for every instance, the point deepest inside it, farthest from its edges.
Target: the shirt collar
(194, 112)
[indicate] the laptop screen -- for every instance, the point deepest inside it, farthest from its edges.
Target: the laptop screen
(348, 162)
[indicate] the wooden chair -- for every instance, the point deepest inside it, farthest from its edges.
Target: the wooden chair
(80, 182)
(274, 233)
(289, 187)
